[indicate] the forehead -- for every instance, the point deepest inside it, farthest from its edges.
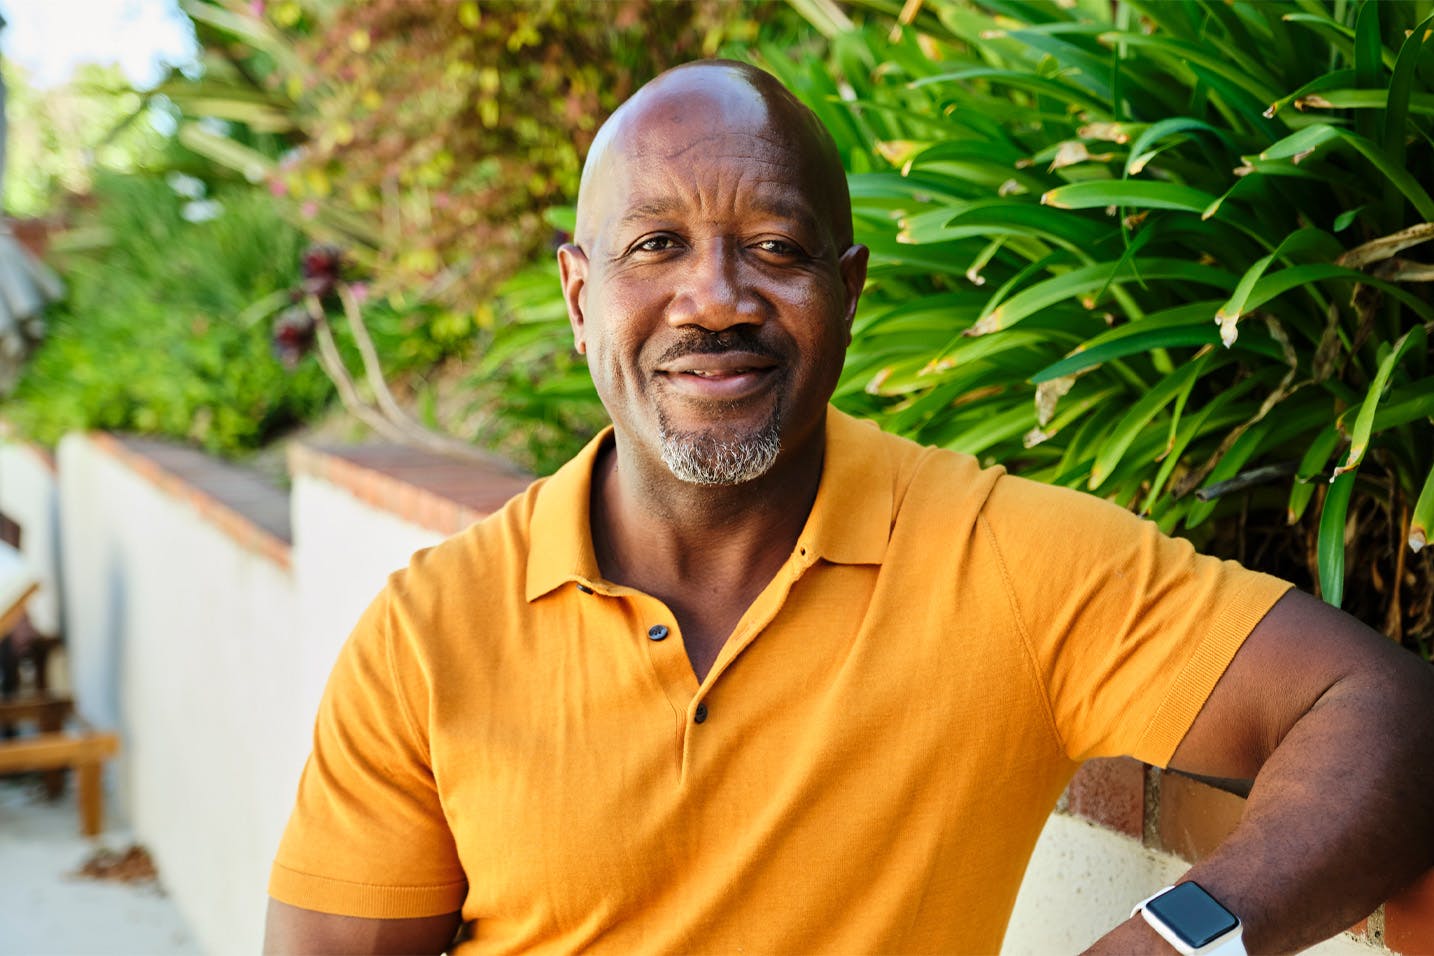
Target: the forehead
(682, 168)
(707, 147)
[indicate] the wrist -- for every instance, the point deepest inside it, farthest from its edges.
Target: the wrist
(1191, 921)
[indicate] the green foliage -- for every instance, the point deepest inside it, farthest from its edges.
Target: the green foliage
(532, 393)
(58, 137)
(150, 338)
(431, 134)
(1166, 252)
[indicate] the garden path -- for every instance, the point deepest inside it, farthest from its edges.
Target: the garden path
(46, 911)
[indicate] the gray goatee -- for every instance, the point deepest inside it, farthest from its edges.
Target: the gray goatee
(701, 458)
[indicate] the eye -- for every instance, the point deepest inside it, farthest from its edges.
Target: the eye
(778, 247)
(656, 244)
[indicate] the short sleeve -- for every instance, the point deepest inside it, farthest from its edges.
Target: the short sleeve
(1130, 629)
(368, 836)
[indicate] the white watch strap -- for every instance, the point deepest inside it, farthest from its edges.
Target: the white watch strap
(1231, 944)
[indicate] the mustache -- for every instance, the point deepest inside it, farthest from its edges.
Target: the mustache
(739, 338)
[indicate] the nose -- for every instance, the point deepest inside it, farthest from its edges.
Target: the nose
(714, 290)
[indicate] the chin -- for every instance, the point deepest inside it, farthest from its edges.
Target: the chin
(721, 454)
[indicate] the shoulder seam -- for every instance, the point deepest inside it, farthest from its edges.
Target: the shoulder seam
(1023, 632)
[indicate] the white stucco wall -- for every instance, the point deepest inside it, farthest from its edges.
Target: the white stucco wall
(181, 640)
(210, 660)
(344, 550)
(29, 495)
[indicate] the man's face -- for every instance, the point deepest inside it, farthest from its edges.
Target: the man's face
(710, 292)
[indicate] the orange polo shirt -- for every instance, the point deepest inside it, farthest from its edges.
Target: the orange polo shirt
(865, 769)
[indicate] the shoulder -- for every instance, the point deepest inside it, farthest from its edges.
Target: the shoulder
(924, 482)
(466, 575)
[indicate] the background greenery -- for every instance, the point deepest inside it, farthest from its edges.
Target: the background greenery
(148, 339)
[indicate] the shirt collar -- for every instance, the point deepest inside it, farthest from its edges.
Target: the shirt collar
(850, 520)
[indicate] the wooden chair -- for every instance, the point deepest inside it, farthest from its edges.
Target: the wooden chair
(53, 749)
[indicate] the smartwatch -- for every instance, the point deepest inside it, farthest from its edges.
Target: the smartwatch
(1193, 921)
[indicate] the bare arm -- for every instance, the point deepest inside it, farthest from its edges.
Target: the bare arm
(1336, 725)
(291, 931)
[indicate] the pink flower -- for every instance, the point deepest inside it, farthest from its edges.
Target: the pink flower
(309, 209)
(256, 8)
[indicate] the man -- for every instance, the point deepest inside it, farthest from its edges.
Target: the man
(748, 675)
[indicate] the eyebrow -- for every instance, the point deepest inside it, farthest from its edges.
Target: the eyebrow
(649, 210)
(778, 208)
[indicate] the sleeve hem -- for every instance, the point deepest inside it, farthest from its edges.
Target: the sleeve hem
(367, 900)
(1206, 666)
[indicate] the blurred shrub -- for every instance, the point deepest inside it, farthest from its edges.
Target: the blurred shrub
(57, 137)
(433, 133)
(150, 338)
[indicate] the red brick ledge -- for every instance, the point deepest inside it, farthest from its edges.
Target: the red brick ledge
(1181, 815)
(430, 490)
(248, 509)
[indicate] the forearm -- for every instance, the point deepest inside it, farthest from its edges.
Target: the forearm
(1340, 817)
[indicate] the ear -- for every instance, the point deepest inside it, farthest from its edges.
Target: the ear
(573, 268)
(853, 276)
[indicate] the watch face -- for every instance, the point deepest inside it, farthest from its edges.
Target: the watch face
(1193, 915)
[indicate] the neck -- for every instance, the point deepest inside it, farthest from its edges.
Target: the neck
(660, 534)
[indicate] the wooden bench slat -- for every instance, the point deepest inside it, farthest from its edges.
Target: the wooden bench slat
(52, 751)
(40, 707)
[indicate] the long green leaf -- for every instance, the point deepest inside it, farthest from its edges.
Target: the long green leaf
(1337, 79)
(1401, 89)
(1415, 338)
(1367, 66)
(1239, 302)
(1313, 137)
(1087, 279)
(1135, 193)
(1249, 76)
(1330, 550)
(1141, 151)
(1310, 473)
(1421, 522)
(1422, 103)
(250, 163)
(1019, 79)
(1139, 415)
(249, 29)
(1134, 344)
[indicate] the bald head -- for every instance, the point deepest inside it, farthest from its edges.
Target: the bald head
(690, 108)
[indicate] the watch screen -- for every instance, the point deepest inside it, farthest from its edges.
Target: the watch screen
(1193, 915)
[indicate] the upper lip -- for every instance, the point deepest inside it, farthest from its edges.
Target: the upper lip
(734, 361)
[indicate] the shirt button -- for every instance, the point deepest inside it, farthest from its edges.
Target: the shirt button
(657, 632)
(700, 714)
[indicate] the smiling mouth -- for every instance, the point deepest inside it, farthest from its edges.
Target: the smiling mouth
(720, 377)
(722, 372)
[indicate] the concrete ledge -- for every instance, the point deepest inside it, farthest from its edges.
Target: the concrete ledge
(244, 505)
(430, 490)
